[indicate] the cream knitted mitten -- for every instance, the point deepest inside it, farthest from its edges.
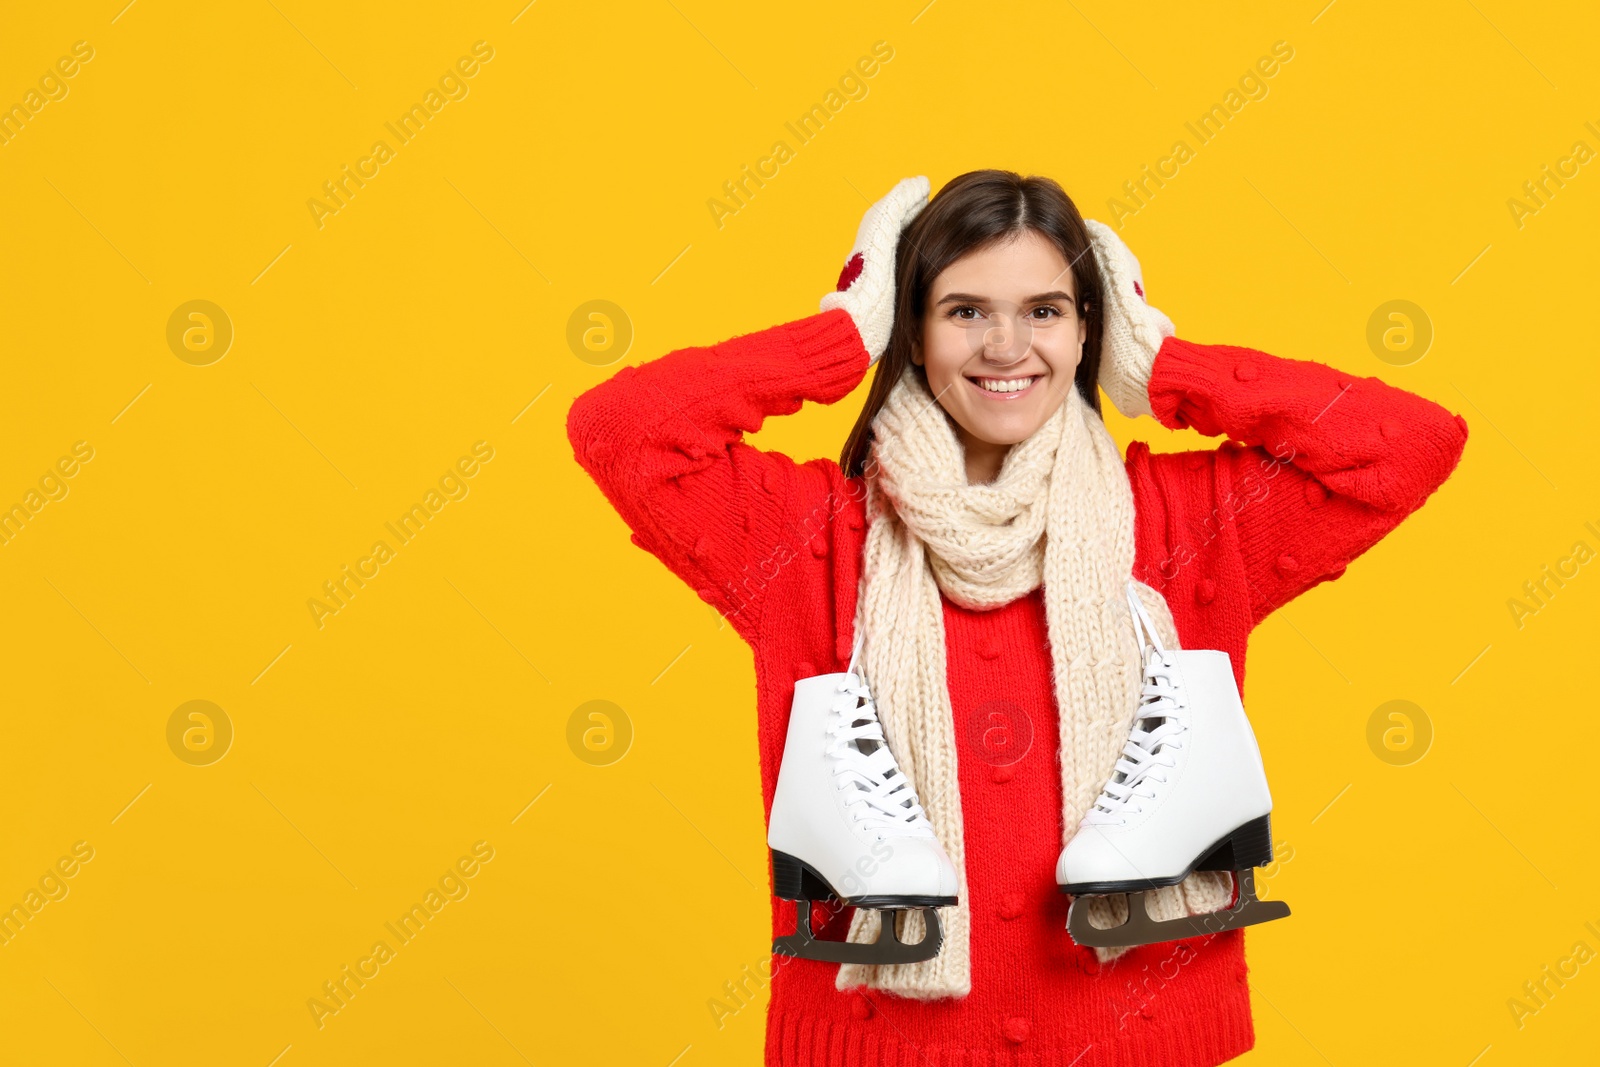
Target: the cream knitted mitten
(866, 285)
(1133, 330)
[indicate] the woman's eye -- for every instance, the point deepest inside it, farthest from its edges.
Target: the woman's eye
(969, 313)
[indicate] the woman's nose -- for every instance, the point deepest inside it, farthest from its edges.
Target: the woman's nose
(1006, 339)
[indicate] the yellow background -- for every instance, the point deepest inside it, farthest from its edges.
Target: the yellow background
(431, 311)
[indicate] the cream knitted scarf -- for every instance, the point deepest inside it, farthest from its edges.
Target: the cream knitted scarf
(1060, 512)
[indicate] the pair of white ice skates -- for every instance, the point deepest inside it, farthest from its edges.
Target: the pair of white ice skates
(1188, 794)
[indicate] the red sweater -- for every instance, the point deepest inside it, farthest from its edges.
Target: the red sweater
(1319, 465)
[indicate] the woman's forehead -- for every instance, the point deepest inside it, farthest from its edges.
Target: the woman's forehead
(1017, 268)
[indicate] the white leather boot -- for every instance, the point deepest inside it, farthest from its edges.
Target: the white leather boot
(1189, 794)
(846, 825)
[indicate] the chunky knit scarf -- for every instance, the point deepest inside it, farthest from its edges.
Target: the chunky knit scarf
(1060, 512)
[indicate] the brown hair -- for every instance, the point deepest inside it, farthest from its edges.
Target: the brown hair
(974, 210)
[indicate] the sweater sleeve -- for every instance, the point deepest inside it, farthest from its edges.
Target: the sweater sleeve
(664, 441)
(1323, 463)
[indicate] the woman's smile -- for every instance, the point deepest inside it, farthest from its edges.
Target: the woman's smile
(1004, 389)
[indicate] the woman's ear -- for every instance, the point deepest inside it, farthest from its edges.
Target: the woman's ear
(916, 351)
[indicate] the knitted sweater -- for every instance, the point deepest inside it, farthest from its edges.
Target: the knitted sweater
(1319, 465)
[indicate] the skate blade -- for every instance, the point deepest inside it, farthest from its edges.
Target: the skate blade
(888, 948)
(1141, 929)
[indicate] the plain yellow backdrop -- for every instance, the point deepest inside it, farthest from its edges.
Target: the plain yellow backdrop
(374, 346)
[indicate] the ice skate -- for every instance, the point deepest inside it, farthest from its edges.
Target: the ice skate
(846, 825)
(1189, 794)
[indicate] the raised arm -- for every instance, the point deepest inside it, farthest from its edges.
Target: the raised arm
(665, 440)
(1323, 463)
(1320, 463)
(665, 443)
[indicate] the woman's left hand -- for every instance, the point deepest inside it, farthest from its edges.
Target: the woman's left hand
(1131, 331)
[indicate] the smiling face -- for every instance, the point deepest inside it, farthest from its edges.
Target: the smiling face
(1001, 340)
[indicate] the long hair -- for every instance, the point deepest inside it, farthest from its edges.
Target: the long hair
(976, 209)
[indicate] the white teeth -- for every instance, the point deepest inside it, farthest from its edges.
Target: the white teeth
(995, 386)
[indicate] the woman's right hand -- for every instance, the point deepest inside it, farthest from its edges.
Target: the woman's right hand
(866, 285)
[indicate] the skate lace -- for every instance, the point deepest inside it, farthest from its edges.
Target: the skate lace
(878, 796)
(1158, 727)
(1149, 749)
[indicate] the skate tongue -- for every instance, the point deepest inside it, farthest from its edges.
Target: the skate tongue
(866, 745)
(1150, 724)
(879, 762)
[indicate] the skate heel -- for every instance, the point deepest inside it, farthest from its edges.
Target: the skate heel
(793, 880)
(1248, 846)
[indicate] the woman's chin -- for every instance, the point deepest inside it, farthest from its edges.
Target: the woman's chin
(1008, 430)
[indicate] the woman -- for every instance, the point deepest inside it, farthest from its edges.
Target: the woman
(982, 529)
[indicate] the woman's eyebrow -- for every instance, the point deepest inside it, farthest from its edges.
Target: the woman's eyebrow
(1055, 294)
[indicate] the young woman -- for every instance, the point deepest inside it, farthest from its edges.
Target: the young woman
(983, 529)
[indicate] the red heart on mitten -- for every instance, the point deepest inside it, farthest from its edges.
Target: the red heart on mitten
(852, 271)
(1138, 288)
